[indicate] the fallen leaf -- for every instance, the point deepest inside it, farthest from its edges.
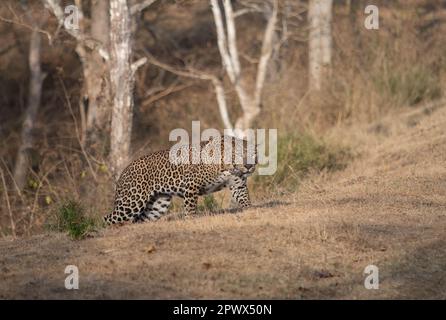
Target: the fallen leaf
(151, 248)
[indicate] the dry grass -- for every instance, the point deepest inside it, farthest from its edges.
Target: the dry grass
(388, 209)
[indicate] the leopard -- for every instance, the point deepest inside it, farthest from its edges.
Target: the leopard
(145, 188)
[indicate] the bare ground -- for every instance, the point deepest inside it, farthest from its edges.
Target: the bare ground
(387, 209)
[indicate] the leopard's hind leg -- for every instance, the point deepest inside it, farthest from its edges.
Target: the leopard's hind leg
(155, 208)
(128, 207)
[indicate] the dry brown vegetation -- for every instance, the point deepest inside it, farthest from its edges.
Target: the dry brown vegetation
(374, 74)
(361, 173)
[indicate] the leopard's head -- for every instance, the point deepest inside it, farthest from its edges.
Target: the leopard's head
(234, 155)
(239, 156)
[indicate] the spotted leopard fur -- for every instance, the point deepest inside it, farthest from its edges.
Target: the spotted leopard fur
(145, 188)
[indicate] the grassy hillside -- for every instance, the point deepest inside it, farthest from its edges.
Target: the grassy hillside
(387, 208)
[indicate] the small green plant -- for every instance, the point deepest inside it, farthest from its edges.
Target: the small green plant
(70, 217)
(209, 204)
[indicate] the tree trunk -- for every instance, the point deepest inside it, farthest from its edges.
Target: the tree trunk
(92, 49)
(250, 99)
(35, 92)
(96, 81)
(320, 41)
(122, 82)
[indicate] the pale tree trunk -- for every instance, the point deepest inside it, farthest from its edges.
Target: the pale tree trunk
(96, 80)
(122, 78)
(320, 41)
(249, 98)
(92, 49)
(108, 72)
(34, 96)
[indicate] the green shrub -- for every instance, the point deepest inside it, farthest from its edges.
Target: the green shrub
(298, 154)
(409, 86)
(70, 217)
(209, 204)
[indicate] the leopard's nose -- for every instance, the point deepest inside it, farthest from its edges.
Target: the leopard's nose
(249, 166)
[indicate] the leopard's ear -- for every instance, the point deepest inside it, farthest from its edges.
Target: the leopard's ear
(211, 139)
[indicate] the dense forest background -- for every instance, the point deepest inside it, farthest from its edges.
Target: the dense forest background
(373, 74)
